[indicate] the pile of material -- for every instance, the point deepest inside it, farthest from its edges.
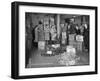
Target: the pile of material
(51, 50)
(69, 57)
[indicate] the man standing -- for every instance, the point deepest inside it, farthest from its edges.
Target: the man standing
(72, 32)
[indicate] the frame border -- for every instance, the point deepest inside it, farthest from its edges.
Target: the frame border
(15, 39)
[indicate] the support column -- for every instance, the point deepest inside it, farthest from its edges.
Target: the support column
(58, 25)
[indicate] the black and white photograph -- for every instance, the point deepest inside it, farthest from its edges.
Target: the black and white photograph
(50, 40)
(53, 40)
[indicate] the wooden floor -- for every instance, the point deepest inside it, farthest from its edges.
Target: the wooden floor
(37, 61)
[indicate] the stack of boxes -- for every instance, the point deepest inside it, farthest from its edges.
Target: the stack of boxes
(53, 31)
(46, 28)
(41, 38)
(63, 33)
(72, 41)
(76, 41)
(79, 40)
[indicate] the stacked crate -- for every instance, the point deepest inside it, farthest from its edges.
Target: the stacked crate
(64, 37)
(79, 40)
(63, 33)
(72, 41)
(46, 28)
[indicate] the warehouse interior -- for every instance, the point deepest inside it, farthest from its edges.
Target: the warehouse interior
(54, 40)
